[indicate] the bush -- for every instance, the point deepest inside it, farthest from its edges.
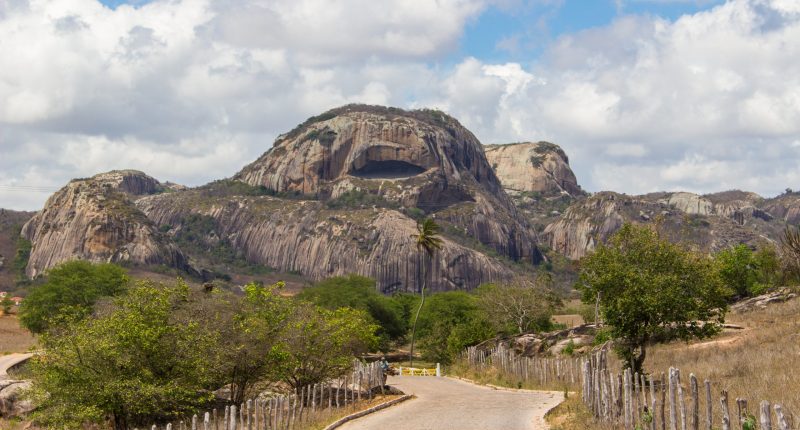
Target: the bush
(450, 322)
(355, 199)
(70, 291)
(358, 292)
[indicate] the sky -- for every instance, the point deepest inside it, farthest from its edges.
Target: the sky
(643, 95)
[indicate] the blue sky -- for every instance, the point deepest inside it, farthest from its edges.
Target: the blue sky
(643, 95)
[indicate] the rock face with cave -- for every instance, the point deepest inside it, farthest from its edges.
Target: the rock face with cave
(412, 159)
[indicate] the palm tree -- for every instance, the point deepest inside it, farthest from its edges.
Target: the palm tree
(428, 241)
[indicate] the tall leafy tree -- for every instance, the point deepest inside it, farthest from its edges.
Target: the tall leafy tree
(652, 290)
(359, 292)
(428, 242)
(319, 344)
(450, 322)
(71, 289)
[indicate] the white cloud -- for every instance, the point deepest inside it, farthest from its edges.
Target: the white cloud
(191, 90)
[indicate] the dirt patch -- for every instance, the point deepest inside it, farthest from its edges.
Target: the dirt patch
(14, 338)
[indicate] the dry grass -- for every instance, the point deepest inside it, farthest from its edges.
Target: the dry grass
(323, 419)
(493, 376)
(761, 362)
(14, 338)
(572, 414)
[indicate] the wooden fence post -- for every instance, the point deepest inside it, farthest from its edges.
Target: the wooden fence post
(709, 407)
(783, 424)
(673, 413)
(232, 416)
(766, 416)
(726, 417)
(695, 402)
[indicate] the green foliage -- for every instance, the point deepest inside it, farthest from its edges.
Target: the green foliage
(357, 199)
(749, 422)
(746, 272)
(318, 343)
(5, 305)
(71, 290)
(21, 257)
(602, 336)
(448, 323)
(738, 269)
(358, 292)
(198, 234)
(651, 290)
(133, 364)
(518, 309)
(569, 349)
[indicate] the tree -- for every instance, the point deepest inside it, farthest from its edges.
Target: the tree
(132, 365)
(746, 272)
(652, 291)
(358, 292)
(738, 269)
(450, 322)
(518, 308)
(428, 242)
(319, 344)
(246, 328)
(71, 288)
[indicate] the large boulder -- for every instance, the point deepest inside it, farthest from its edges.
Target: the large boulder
(12, 404)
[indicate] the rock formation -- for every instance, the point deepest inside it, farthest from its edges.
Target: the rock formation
(95, 219)
(540, 167)
(414, 159)
(709, 223)
(308, 237)
(338, 194)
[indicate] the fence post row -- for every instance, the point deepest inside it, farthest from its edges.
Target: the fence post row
(622, 400)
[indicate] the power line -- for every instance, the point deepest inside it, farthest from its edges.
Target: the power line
(28, 188)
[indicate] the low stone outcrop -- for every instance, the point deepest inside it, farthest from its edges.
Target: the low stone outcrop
(12, 404)
(764, 300)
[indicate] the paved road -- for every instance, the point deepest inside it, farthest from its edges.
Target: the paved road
(9, 361)
(444, 404)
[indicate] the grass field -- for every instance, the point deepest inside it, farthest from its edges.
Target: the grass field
(14, 338)
(761, 362)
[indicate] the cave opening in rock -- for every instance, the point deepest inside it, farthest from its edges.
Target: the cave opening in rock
(387, 169)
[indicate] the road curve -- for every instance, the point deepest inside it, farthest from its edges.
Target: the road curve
(9, 361)
(445, 404)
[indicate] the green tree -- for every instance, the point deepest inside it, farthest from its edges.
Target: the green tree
(318, 344)
(131, 365)
(428, 242)
(518, 308)
(246, 328)
(738, 269)
(71, 288)
(768, 262)
(358, 292)
(652, 290)
(450, 322)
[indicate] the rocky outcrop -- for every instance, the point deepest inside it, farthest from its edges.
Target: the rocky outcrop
(95, 219)
(413, 159)
(681, 218)
(308, 237)
(785, 207)
(540, 167)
